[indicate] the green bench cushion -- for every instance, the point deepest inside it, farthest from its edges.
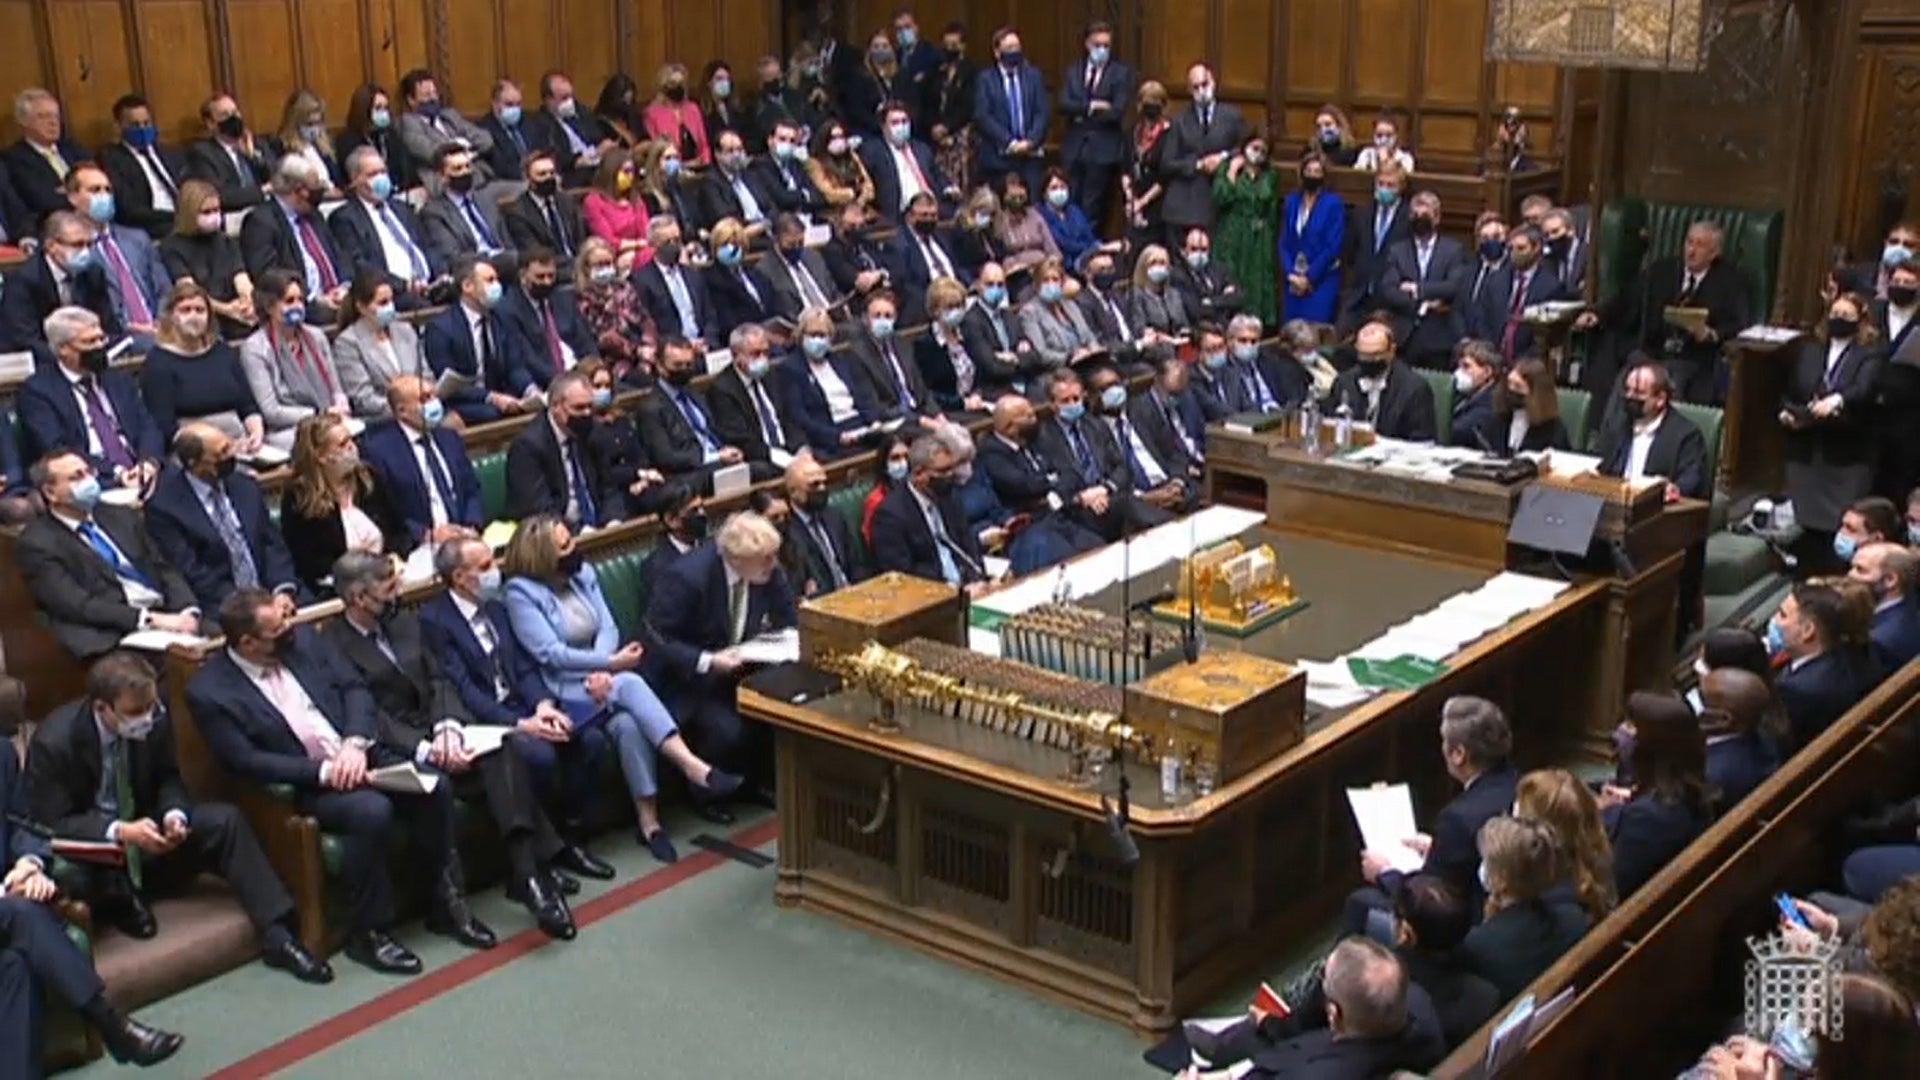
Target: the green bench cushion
(1573, 415)
(492, 472)
(851, 501)
(1442, 384)
(1735, 563)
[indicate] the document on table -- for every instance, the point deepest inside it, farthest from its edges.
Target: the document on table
(403, 779)
(718, 359)
(162, 640)
(266, 457)
(1568, 463)
(453, 382)
(731, 480)
(484, 739)
(1332, 686)
(778, 647)
(1384, 813)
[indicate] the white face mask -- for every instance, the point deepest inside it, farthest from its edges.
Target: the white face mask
(1463, 381)
(1485, 885)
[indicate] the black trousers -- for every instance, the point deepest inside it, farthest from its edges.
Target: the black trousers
(1092, 186)
(710, 720)
(218, 841)
(503, 781)
(363, 820)
(35, 952)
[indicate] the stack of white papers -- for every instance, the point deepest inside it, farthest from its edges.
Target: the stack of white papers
(1384, 813)
(778, 647)
(1762, 332)
(403, 779)
(161, 640)
(484, 739)
(1332, 685)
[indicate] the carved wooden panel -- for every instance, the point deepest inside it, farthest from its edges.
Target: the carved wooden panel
(1880, 177)
(333, 43)
(177, 63)
(92, 64)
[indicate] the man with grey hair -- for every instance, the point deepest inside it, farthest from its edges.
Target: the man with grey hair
(551, 467)
(377, 232)
(920, 528)
(288, 233)
(749, 404)
(1888, 570)
(419, 711)
(80, 402)
(1697, 280)
(1562, 251)
(63, 272)
(1477, 745)
(38, 162)
(1424, 285)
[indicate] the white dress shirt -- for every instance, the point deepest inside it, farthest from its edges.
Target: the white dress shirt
(839, 398)
(316, 733)
(139, 595)
(482, 628)
(77, 381)
(150, 167)
(1897, 320)
(1517, 429)
(422, 444)
(909, 172)
(395, 250)
(1643, 435)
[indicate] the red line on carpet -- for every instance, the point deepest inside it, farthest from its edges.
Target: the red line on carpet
(431, 984)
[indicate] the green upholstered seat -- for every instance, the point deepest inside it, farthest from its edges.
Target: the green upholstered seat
(851, 501)
(1735, 563)
(492, 471)
(1442, 384)
(1634, 232)
(1711, 422)
(1573, 415)
(625, 589)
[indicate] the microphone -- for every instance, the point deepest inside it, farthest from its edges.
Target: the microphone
(1125, 849)
(1481, 438)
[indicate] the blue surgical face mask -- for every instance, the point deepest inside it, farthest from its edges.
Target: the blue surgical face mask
(1113, 396)
(602, 397)
(728, 254)
(1776, 638)
(882, 327)
(295, 315)
(382, 119)
(600, 275)
(1073, 412)
(381, 187)
(1052, 291)
(141, 136)
(671, 165)
(384, 314)
(79, 261)
(952, 316)
(900, 133)
(1158, 273)
(489, 584)
(815, 345)
(757, 369)
(994, 295)
(1216, 361)
(100, 207)
(510, 115)
(1057, 197)
(137, 728)
(907, 36)
(896, 470)
(1100, 54)
(491, 294)
(1198, 259)
(86, 492)
(1895, 255)
(1245, 353)
(432, 412)
(1913, 533)
(1385, 196)
(1844, 546)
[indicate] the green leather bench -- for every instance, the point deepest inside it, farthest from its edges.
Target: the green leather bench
(851, 501)
(1573, 416)
(491, 469)
(1441, 382)
(1634, 232)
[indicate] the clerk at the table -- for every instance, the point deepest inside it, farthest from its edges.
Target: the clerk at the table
(1649, 438)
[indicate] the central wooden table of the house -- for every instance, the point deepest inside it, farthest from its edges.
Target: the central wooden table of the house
(965, 843)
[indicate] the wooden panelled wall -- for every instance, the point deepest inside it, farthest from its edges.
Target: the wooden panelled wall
(1883, 171)
(177, 52)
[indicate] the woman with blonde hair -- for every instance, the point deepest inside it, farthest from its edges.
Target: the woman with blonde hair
(664, 187)
(199, 250)
(1557, 798)
(333, 503)
(610, 305)
(674, 117)
(1332, 137)
(1531, 917)
(1155, 308)
(1145, 181)
(192, 374)
(303, 133)
(561, 619)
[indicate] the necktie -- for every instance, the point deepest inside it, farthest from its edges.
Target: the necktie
(479, 223)
(1082, 453)
(1142, 479)
(682, 302)
(746, 282)
(581, 495)
(132, 301)
(553, 337)
(316, 734)
(486, 347)
(1000, 331)
(561, 241)
(696, 419)
(1016, 111)
(769, 423)
(1256, 389)
(1382, 222)
(1514, 309)
(418, 260)
(1179, 429)
(919, 174)
(1692, 283)
(124, 807)
(900, 384)
(820, 536)
(1093, 78)
(519, 144)
(310, 240)
(809, 288)
(942, 544)
(1119, 318)
(160, 170)
(437, 470)
(54, 161)
(936, 259)
(108, 550)
(737, 611)
(226, 523)
(112, 442)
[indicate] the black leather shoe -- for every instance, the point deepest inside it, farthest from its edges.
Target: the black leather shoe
(714, 812)
(549, 908)
(376, 950)
(760, 796)
(565, 882)
(134, 1043)
(578, 860)
(131, 916)
(456, 922)
(293, 958)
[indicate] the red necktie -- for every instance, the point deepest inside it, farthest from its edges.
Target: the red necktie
(553, 338)
(136, 304)
(311, 241)
(1513, 316)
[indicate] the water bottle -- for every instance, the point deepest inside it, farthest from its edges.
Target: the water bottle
(1312, 425)
(1170, 771)
(1343, 429)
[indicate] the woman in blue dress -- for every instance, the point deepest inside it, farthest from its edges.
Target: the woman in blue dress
(1313, 230)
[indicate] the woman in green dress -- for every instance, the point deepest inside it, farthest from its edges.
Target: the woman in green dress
(1248, 199)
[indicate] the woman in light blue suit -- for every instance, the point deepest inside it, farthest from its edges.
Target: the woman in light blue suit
(562, 621)
(1313, 230)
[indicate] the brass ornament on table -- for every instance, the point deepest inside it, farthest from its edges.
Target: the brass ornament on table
(1084, 643)
(1232, 590)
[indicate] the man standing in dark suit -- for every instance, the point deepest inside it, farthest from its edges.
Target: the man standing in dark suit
(1477, 744)
(91, 568)
(551, 471)
(833, 558)
(1010, 114)
(146, 176)
(64, 272)
(1823, 677)
(706, 603)
(75, 400)
(1422, 283)
(103, 768)
(677, 427)
(288, 233)
(1380, 226)
(37, 956)
(374, 231)
(1889, 570)
(545, 216)
(1698, 279)
(1518, 283)
(230, 158)
(466, 629)
(544, 314)
(1651, 439)
(471, 339)
(1094, 96)
(1381, 390)
(38, 162)
(276, 708)
(920, 529)
(1563, 251)
(748, 411)
(1200, 141)
(673, 292)
(419, 710)
(423, 467)
(211, 522)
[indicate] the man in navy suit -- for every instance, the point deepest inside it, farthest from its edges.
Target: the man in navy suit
(575, 136)
(674, 292)
(37, 956)
(211, 522)
(146, 176)
(545, 215)
(230, 158)
(704, 605)
(925, 256)
(1822, 679)
(808, 372)
(783, 174)
(1010, 114)
(920, 529)
(472, 339)
(75, 400)
(903, 167)
(1521, 281)
(1889, 570)
(467, 630)
(1733, 701)
(1477, 743)
(41, 158)
(286, 232)
(1565, 253)
(1094, 96)
(1422, 281)
(824, 538)
(275, 708)
(14, 223)
(677, 428)
(374, 231)
(423, 467)
(544, 314)
(64, 272)
(507, 122)
(136, 279)
(1379, 226)
(1651, 439)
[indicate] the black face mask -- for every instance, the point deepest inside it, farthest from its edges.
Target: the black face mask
(1373, 366)
(1636, 408)
(580, 427)
(1842, 329)
(460, 185)
(1312, 183)
(226, 468)
(682, 376)
(569, 564)
(1152, 110)
(792, 254)
(547, 188)
(694, 525)
(940, 486)
(815, 501)
(954, 56)
(668, 253)
(923, 226)
(676, 93)
(1104, 280)
(1559, 246)
(233, 127)
(1902, 295)
(1422, 226)
(540, 290)
(93, 361)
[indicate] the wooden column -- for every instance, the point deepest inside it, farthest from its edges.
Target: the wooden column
(1831, 36)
